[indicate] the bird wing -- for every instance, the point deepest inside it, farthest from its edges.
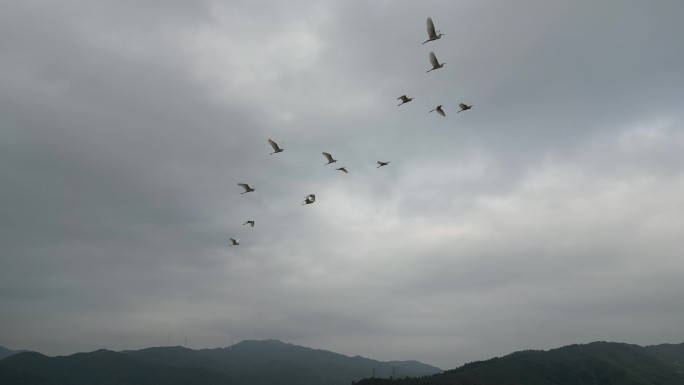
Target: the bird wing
(233, 240)
(244, 186)
(274, 145)
(463, 106)
(431, 28)
(440, 111)
(433, 60)
(328, 156)
(402, 98)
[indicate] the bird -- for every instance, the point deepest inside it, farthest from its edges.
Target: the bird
(434, 62)
(276, 149)
(439, 110)
(309, 199)
(329, 158)
(246, 187)
(250, 222)
(464, 107)
(343, 169)
(431, 31)
(382, 164)
(404, 99)
(234, 242)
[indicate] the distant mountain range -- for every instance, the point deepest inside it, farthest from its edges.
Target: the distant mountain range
(4, 352)
(246, 363)
(272, 362)
(597, 363)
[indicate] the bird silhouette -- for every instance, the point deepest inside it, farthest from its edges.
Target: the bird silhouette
(309, 199)
(246, 187)
(234, 242)
(343, 169)
(435, 63)
(276, 149)
(439, 110)
(382, 164)
(464, 107)
(329, 158)
(404, 99)
(250, 222)
(432, 35)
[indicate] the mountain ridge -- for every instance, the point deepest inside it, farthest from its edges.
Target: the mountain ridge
(595, 363)
(246, 363)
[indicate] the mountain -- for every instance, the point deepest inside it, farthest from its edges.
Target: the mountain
(4, 352)
(246, 363)
(597, 363)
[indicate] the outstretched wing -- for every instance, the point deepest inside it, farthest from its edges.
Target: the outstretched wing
(440, 111)
(463, 106)
(244, 186)
(328, 156)
(433, 60)
(431, 28)
(274, 145)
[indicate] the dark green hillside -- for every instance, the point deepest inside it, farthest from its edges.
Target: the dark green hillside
(100, 367)
(598, 363)
(4, 352)
(246, 363)
(672, 354)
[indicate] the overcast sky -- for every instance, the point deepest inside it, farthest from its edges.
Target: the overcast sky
(550, 213)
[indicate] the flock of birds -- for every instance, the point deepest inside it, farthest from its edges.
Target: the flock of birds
(434, 35)
(311, 198)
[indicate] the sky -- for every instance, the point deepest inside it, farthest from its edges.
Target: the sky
(551, 213)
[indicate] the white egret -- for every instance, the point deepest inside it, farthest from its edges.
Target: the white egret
(432, 35)
(276, 149)
(435, 63)
(404, 99)
(464, 107)
(246, 187)
(329, 158)
(439, 110)
(309, 199)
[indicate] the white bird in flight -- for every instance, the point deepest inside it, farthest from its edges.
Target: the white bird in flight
(404, 99)
(276, 149)
(464, 107)
(432, 35)
(435, 63)
(246, 187)
(329, 158)
(234, 242)
(439, 110)
(382, 164)
(250, 222)
(343, 169)
(309, 199)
